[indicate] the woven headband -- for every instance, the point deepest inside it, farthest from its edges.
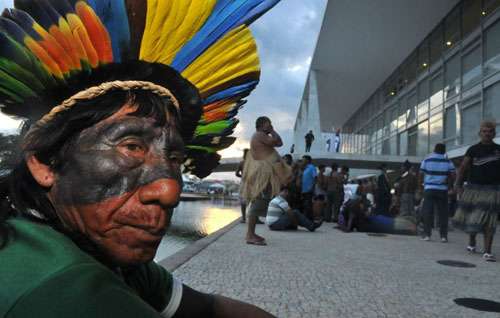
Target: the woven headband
(102, 89)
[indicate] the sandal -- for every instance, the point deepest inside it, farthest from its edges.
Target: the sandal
(260, 243)
(471, 249)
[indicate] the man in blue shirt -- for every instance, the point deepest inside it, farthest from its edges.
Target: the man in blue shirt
(438, 173)
(309, 175)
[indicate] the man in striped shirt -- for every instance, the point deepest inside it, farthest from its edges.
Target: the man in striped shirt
(438, 173)
(281, 217)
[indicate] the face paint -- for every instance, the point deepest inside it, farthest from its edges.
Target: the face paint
(120, 184)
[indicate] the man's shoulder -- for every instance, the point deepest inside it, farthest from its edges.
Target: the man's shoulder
(35, 255)
(277, 200)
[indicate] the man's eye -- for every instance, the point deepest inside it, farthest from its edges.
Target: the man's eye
(132, 148)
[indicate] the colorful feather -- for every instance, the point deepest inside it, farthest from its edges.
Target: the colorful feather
(47, 45)
(226, 16)
(113, 14)
(169, 25)
(17, 33)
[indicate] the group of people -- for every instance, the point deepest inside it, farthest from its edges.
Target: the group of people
(270, 184)
(298, 193)
(470, 194)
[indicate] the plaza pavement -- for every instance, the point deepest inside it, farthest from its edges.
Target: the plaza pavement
(334, 274)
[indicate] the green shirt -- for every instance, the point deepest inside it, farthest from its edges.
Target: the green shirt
(44, 274)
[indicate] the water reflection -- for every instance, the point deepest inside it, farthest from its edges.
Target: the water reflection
(195, 219)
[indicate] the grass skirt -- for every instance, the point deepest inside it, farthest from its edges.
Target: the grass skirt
(265, 175)
(478, 208)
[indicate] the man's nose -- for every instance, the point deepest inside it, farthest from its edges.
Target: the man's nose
(165, 191)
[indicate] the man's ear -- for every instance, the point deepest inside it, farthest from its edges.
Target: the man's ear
(40, 171)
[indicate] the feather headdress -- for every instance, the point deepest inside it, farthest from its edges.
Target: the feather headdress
(66, 46)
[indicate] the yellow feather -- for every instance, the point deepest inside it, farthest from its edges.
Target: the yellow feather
(157, 15)
(232, 56)
(150, 13)
(173, 25)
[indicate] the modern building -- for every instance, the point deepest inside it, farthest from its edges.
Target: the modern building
(398, 76)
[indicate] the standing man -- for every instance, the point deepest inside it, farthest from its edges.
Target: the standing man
(479, 203)
(309, 140)
(408, 184)
(239, 173)
(308, 181)
(383, 193)
(263, 174)
(335, 185)
(336, 143)
(437, 172)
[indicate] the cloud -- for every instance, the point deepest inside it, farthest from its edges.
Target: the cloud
(286, 37)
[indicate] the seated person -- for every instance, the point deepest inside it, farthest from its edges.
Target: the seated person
(281, 217)
(353, 215)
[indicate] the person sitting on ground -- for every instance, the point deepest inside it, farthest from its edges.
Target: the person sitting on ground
(353, 215)
(281, 217)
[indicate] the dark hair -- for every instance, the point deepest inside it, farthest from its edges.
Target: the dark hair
(334, 166)
(261, 121)
(20, 193)
(440, 148)
(245, 152)
(345, 168)
(307, 158)
(321, 167)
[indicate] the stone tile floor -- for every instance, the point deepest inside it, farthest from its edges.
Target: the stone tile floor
(334, 274)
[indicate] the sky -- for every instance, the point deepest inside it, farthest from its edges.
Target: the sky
(286, 37)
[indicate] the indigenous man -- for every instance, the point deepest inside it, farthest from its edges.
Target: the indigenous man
(263, 175)
(479, 202)
(110, 117)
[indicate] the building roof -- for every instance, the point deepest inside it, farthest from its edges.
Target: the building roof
(361, 43)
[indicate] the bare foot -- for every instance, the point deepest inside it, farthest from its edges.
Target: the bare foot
(255, 237)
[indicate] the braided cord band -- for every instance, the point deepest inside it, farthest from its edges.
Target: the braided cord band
(102, 89)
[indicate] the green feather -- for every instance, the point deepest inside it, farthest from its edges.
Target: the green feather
(9, 94)
(212, 128)
(13, 51)
(206, 149)
(14, 86)
(21, 74)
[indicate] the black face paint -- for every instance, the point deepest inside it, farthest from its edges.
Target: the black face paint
(99, 168)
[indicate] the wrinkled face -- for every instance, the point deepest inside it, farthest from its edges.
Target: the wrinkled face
(487, 134)
(120, 185)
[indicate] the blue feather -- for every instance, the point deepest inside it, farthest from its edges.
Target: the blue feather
(226, 16)
(113, 14)
(257, 12)
(231, 91)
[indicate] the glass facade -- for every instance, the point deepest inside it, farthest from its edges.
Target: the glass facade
(442, 90)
